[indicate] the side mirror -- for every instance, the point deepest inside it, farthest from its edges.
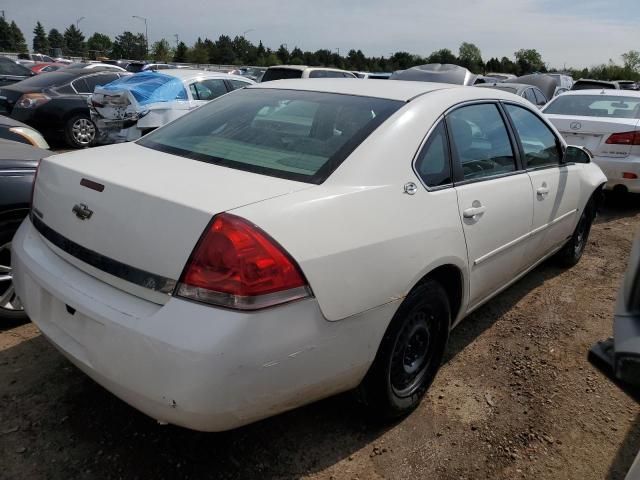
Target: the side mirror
(575, 154)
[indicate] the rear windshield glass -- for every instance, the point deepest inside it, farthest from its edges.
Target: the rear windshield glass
(504, 89)
(595, 106)
(290, 134)
(281, 74)
(9, 67)
(50, 79)
(587, 85)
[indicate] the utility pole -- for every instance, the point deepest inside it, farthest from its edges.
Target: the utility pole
(177, 38)
(146, 31)
(2, 14)
(77, 22)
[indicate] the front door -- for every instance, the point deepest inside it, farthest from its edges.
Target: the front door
(494, 197)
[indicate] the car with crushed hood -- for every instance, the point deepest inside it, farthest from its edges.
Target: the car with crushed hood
(130, 107)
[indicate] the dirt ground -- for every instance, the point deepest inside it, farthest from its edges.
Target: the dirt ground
(516, 398)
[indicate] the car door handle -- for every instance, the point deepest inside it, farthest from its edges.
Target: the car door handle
(474, 211)
(542, 191)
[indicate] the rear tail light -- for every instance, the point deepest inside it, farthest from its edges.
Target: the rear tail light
(237, 265)
(624, 138)
(32, 100)
(629, 175)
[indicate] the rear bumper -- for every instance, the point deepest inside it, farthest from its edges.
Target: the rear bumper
(614, 169)
(116, 131)
(189, 364)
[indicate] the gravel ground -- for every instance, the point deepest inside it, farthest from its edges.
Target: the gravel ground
(516, 398)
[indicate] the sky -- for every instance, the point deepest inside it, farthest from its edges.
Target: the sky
(575, 33)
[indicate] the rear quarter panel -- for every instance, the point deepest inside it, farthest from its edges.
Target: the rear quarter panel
(359, 239)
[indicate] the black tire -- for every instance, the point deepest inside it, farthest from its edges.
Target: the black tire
(80, 131)
(10, 307)
(572, 252)
(410, 354)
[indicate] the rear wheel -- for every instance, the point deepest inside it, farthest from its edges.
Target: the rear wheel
(10, 305)
(410, 353)
(80, 131)
(572, 252)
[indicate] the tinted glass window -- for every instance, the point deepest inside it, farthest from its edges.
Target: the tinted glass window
(210, 89)
(613, 106)
(50, 79)
(284, 133)
(481, 142)
(529, 95)
(433, 164)
(589, 85)
(235, 84)
(9, 67)
(98, 80)
(280, 74)
(540, 98)
(80, 85)
(538, 142)
(326, 74)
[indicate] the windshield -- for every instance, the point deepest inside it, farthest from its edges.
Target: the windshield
(9, 67)
(290, 134)
(595, 106)
(281, 74)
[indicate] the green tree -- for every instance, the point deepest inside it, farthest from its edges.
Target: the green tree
(74, 41)
(296, 57)
(493, 65)
(161, 51)
(529, 61)
(99, 45)
(507, 66)
(442, 56)
(181, 53)
(130, 46)
(224, 50)
(6, 40)
(198, 53)
(283, 54)
(56, 40)
(17, 38)
(40, 40)
(469, 56)
(631, 60)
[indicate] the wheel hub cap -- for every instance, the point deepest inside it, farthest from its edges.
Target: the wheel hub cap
(8, 298)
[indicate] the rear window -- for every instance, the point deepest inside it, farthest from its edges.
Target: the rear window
(595, 106)
(504, 89)
(289, 134)
(587, 85)
(281, 74)
(9, 67)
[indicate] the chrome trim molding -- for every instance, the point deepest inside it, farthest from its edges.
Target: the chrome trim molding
(108, 265)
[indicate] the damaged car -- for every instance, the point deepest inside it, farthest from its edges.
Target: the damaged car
(130, 107)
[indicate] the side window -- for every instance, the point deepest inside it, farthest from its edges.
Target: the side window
(194, 92)
(434, 163)
(529, 95)
(210, 89)
(80, 85)
(540, 98)
(318, 74)
(538, 142)
(235, 84)
(480, 141)
(99, 80)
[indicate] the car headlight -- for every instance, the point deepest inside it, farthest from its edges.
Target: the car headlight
(30, 135)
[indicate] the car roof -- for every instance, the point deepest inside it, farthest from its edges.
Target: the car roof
(519, 87)
(186, 74)
(305, 67)
(392, 89)
(600, 91)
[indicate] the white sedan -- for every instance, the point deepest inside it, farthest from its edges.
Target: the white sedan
(606, 123)
(293, 240)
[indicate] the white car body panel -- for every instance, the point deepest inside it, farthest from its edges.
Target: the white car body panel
(360, 240)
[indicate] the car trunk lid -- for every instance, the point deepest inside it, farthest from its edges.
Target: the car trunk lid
(593, 133)
(131, 216)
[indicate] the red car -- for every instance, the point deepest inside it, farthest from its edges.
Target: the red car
(47, 67)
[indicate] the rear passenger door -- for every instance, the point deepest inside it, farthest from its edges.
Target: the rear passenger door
(555, 186)
(494, 197)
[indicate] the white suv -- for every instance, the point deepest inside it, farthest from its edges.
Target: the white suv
(285, 72)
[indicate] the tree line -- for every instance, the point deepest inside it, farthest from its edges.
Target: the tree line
(240, 51)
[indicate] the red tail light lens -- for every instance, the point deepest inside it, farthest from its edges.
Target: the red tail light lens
(624, 138)
(235, 264)
(629, 175)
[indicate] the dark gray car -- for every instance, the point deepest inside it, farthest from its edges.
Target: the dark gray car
(18, 164)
